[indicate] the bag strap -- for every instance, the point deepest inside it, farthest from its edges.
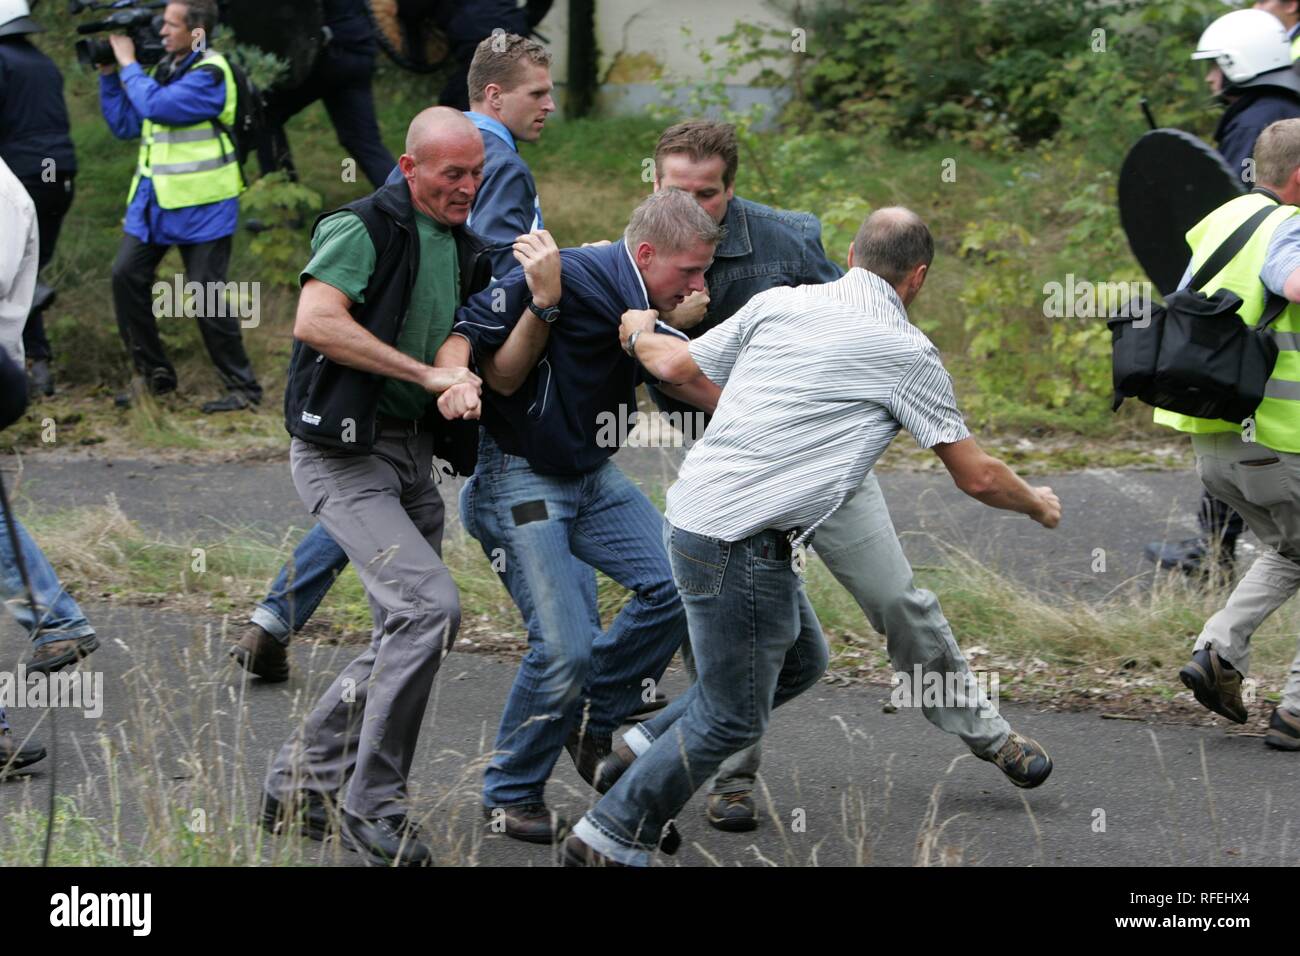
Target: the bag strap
(1272, 309)
(1230, 247)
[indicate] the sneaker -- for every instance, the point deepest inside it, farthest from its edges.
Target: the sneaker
(1215, 683)
(530, 822)
(385, 841)
(258, 652)
(1023, 760)
(58, 654)
(15, 755)
(1283, 730)
(733, 812)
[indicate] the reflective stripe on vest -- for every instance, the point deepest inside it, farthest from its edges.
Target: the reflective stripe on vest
(195, 164)
(1277, 420)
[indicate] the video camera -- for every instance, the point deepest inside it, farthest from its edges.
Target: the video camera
(140, 21)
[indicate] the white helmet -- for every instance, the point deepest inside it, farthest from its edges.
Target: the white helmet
(16, 17)
(1245, 43)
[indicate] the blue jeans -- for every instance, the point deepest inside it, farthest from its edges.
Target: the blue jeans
(56, 616)
(301, 584)
(544, 534)
(757, 644)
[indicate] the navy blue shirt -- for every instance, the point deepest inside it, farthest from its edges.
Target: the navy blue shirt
(1247, 117)
(555, 416)
(33, 116)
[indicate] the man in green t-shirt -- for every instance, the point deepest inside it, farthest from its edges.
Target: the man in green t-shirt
(378, 298)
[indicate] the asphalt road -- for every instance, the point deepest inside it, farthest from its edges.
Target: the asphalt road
(848, 783)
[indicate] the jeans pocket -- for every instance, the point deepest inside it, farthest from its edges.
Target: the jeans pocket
(698, 562)
(468, 500)
(1264, 483)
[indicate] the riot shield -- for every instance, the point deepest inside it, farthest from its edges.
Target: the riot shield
(1169, 182)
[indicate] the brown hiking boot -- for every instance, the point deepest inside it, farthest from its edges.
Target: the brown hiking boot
(1024, 761)
(733, 812)
(576, 853)
(59, 654)
(1215, 684)
(14, 754)
(259, 653)
(1283, 730)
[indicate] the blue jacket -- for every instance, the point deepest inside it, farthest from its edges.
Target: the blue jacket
(506, 205)
(184, 96)
(554, 417)
(33, 116)
(1247, 117)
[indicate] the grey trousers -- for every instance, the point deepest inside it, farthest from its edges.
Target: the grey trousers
(860, 547)
(1263, 485)
(384, 510)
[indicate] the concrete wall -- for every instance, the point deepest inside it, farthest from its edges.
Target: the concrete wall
(642, 43)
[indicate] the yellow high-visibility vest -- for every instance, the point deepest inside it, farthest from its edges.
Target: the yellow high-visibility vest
(195, 164)
(1277, 420)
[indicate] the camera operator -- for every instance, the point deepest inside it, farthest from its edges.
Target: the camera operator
(185, 193)
(36, 144)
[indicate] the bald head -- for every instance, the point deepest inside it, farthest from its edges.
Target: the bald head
(892, 242)
(443, 164)
(438, 126)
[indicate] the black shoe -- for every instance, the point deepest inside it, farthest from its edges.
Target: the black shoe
(40, 380)
(1192, 557)
(160, 383)
(59, 654)
(1215, 683)
(15, 756)
(587, 751)
(659, 702)
(530, 822)
(311, 812)
(612, 767)
(230, 402)
(386, 841)
(43, 297)
(1283, 730)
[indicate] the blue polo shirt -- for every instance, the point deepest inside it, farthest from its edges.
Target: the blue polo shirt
(554, 418)
(185, 96)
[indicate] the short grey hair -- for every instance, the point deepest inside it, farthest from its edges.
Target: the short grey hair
(671, 221)
(892, 242)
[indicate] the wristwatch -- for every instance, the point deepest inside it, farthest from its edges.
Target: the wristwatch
(546, 315)
(630, 348)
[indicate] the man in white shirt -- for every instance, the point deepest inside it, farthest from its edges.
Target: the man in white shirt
(19, 259)
(816, 381)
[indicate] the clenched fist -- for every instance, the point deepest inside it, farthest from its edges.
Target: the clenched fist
(460, 401)
(1049, 514)
(537, 252)
(690, 312)
(634, 320)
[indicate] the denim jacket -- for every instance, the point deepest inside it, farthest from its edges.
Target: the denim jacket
(763, 248)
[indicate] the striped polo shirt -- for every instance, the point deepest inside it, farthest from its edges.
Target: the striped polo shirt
(816, 381)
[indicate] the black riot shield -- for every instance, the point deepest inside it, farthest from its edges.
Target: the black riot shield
(411, 33)
(1169, 182)
(290, 29)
